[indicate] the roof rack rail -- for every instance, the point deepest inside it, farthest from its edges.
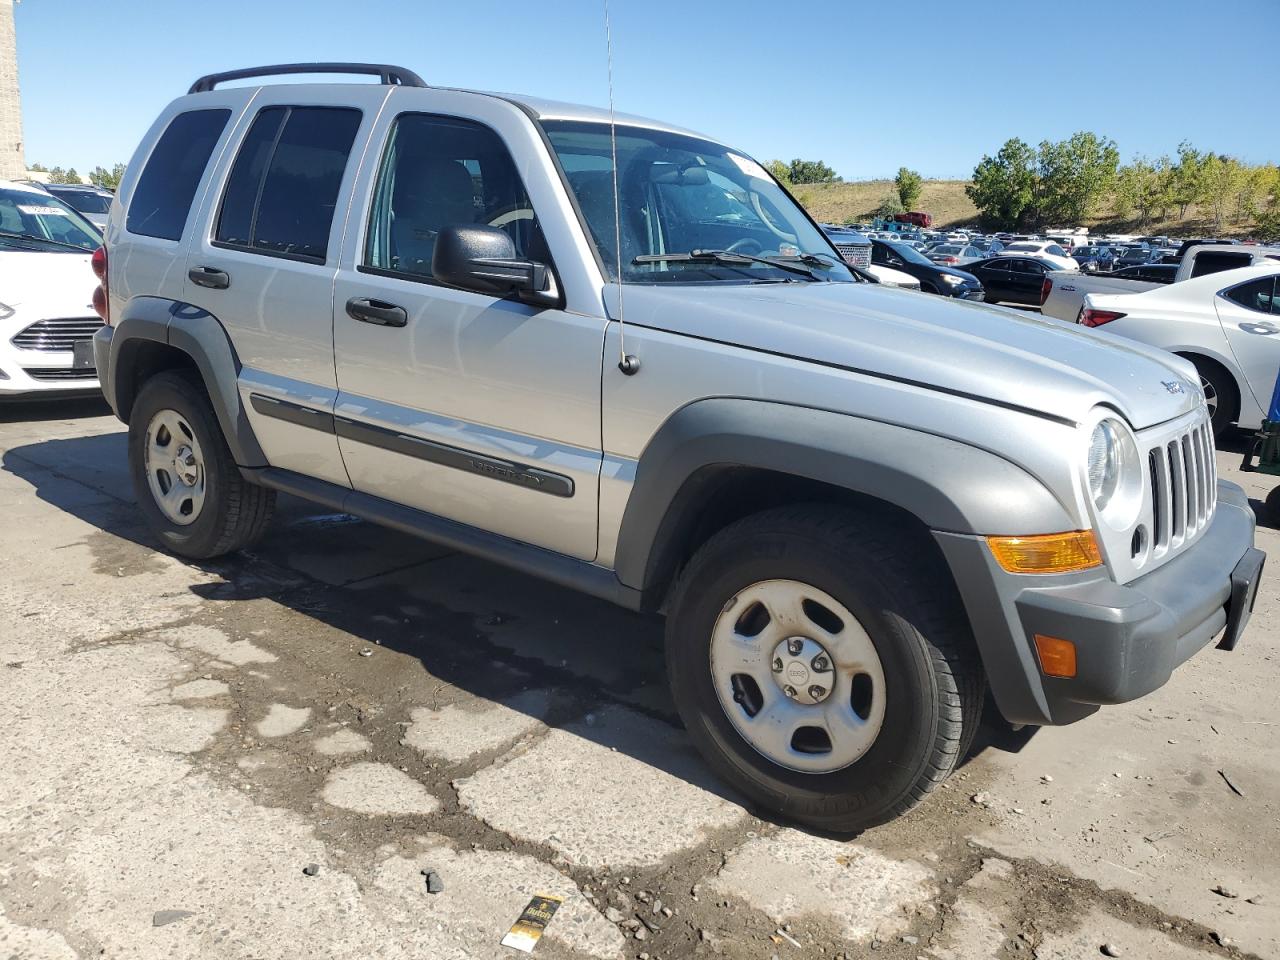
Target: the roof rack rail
(386, 73)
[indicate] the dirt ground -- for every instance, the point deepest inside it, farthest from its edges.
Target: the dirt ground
(262, 757)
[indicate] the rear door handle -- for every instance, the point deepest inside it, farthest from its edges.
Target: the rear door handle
(368, 310)
(210, 277)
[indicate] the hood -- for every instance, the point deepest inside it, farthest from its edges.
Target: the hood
(993, 353)
(51, 283)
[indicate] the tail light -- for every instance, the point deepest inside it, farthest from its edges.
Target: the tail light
(950, 259)
(1096, 318)
(1045, 288)
(101, 303)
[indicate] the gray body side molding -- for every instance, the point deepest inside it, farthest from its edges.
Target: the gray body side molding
(200, 335)
(947, 485)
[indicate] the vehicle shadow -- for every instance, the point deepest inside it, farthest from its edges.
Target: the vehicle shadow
(15, 411)
(455, 614)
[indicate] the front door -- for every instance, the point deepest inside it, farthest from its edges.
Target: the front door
(475, 408)
(1251, 320)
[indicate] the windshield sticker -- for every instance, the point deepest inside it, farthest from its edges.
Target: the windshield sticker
(41, 211)
(748, 166)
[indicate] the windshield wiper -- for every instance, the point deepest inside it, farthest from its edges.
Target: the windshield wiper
(31, 237)
(731, 258)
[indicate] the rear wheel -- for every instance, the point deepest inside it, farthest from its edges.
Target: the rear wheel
(820, 669)
(187, 484)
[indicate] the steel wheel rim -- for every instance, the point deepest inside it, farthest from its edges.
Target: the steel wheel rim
(1210, 396)
(797, 733)
(175, 467)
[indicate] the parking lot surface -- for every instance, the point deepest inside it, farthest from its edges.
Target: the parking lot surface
(260, 757)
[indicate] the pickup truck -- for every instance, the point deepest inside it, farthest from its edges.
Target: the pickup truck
(1063, 295)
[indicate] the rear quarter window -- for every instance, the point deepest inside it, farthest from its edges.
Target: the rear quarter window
(161, 201)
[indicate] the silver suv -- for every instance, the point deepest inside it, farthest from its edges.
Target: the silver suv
(858, 509)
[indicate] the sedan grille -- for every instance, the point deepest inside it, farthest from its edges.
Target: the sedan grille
(56, 336)
(1184, 487)
(856, 254)
(60, 374)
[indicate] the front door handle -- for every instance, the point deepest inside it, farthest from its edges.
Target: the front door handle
(210, 277)
(368, 310)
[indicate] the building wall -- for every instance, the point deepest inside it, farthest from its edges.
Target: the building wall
(12, 160)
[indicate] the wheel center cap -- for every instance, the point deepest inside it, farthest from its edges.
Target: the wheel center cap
(802, 670)
(186, 467)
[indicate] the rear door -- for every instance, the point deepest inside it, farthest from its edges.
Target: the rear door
(265, 261)
(1251, 320)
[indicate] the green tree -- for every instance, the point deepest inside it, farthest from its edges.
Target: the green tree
(1184, 179)
(889, 206)
(1220, 183)
(781, 172)
(1074, 175)
(38, 168)
(58, 175)
(1003, 187)
(909, 184)
(1140, 189)
(811, 171)
(107, 179)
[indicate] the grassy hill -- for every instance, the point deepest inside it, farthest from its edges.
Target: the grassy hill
(946, 200)
(850, 202)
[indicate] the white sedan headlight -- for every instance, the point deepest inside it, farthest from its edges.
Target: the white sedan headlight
(1114, 472)
(952, 279)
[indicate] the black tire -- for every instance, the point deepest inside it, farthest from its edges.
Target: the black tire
(234, 513)
(903, 598)
(1220, 389)
(930, 288)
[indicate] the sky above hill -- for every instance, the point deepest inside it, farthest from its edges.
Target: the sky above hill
(866, 87)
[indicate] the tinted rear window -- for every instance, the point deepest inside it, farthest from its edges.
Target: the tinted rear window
(283, 188)
(162, 199)
(1215, 262)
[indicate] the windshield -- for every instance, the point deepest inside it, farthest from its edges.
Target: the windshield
(680, 195)
(909, 253)
(86, 201)
(38, 221)
(1024, 247)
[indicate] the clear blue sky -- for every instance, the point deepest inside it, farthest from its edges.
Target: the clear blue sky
(865, 86)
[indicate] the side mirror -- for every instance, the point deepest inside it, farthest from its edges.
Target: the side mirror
(483, 259)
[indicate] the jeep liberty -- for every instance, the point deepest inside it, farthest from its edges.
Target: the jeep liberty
(860, 509)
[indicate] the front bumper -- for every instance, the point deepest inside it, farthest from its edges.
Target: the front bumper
(1129, 638)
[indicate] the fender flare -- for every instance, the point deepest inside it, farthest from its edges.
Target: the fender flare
(946, 484)
(201, 336)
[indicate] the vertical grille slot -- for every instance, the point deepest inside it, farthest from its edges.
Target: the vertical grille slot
(1178, 487)
(1158, 509)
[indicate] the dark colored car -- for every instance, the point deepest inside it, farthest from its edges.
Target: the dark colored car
(1017, 279)
(1135, 257)
(1094, 257)
(933, 277)
(1154, 272)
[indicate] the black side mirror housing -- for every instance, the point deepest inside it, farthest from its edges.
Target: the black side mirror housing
(483, 259)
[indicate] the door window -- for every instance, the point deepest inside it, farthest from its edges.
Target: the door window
(162, 198)
(283, 188)
(1256, 295)
(1215, 261)
(440, 172)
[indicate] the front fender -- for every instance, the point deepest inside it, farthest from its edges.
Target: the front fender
(948, 485)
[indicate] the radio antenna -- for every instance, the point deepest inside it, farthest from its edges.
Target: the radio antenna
(627, 363)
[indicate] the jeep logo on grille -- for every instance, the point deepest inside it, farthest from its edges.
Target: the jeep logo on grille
(1174, 386)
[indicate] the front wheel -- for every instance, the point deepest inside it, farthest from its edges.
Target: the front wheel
(819, 667)
(1219, 394)
(187, 484)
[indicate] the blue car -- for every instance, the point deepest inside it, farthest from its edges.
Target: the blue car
(1094, 258)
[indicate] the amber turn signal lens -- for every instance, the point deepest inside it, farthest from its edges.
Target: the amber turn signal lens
(1057, 656)
(1050, 553)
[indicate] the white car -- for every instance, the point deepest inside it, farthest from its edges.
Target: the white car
(892, 278)
(1045, 249)
(47, 322)
(1227, 324)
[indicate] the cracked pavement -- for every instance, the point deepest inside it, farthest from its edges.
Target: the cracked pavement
(180, 741)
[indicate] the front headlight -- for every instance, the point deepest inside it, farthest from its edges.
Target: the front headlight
(1114, 473)
(952, 279)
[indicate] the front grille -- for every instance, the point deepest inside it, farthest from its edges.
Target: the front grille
(1184, 485)
(857, 254)
(58, 374)
(56, 336)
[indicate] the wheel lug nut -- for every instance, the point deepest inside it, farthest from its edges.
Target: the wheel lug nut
(821, 663)
(777, 664)
(790, 691)
(817, 692)
(794, 646)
